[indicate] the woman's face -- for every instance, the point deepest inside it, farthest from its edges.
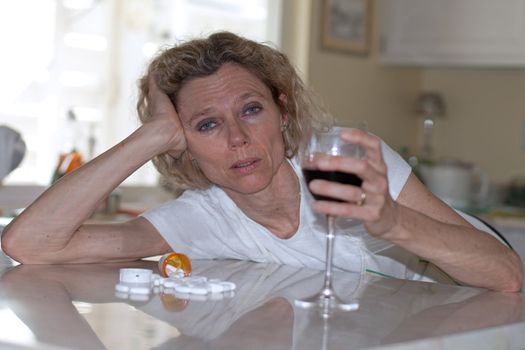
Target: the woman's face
(232, 128)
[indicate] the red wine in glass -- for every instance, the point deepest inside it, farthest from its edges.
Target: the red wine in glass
(334, 176)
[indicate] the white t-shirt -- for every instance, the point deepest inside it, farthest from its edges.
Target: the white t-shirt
(207, 224)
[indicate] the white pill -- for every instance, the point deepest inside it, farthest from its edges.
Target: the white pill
(139, 290)
(176, 273)
(183, 288)
(195, 279)
(170, 269)
(228, 286)
(215, 287)
(121, 295)
(122, 288)
(169, 283)
(200, 289)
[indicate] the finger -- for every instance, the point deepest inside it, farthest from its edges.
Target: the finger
(345, 193)
(339, 163)
(369, 142)
(159, 102)
(374, 180)
(339, 209)
(369, 211)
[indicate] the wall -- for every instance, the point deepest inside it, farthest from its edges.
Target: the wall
(485, 122)
(358, 88)
(295, 41)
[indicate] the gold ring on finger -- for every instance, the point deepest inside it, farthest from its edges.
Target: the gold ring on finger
(362, 199)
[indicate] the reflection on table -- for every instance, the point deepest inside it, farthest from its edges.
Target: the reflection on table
(76, 306)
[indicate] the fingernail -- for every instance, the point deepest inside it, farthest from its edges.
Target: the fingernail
(313, 185)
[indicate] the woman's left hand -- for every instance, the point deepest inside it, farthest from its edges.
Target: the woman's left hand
(371, 203)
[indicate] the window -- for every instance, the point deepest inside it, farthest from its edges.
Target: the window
(69, 67)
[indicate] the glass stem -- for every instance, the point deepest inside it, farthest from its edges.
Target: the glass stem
(327, 290)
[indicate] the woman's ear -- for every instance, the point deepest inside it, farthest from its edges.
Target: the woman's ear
(283, 102)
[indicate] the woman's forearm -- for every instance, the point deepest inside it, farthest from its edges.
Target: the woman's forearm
(53, 218)
(465, 253)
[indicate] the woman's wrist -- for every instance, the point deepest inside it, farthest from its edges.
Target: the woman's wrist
(159, 136)
(398, 232)
(164, 137)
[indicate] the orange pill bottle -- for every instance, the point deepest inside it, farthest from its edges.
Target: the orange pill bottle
(173, 262)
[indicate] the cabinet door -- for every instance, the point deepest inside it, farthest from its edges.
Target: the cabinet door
(453, 32)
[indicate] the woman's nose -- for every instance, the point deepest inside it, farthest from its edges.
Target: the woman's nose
(238, 136)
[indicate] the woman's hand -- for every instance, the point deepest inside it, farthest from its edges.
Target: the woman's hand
(163, 114)
(371, 203)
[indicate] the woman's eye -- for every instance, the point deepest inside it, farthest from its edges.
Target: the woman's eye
(252, 109)
(206, 125)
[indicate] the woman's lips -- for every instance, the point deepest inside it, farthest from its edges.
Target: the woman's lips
(245, 166)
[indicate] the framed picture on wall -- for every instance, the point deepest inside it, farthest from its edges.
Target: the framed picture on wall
(346, 25)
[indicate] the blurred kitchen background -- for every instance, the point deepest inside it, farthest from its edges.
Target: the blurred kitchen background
(441, 81)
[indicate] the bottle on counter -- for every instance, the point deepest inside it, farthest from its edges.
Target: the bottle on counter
(70, 158)
(175, 263)
(67, 162)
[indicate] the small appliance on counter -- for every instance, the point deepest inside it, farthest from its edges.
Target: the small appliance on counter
(462, 185)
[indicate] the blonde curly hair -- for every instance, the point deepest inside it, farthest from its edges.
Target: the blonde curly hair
(172, 68)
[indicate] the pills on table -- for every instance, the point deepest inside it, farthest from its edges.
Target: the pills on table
(137, 284)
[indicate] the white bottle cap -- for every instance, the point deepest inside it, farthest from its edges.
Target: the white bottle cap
(135, 275)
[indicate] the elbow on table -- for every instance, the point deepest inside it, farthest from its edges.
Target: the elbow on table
(12, 247)
(513, 286)
(515, 280)
(8, 246)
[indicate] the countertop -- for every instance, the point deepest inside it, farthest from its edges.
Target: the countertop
(76, 306)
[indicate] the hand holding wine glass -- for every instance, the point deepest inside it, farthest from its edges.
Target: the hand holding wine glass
(323, 144)
(371, 203)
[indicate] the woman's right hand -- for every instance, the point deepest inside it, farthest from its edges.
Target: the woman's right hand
(163, 114)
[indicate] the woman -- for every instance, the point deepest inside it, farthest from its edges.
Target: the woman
(222, 118)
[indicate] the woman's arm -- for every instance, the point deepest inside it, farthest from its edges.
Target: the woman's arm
(51, 229)
(432, 230)
(418, 221)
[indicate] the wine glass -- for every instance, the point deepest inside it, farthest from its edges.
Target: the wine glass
(328, 143)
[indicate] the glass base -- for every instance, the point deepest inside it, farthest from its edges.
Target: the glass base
(326, 303)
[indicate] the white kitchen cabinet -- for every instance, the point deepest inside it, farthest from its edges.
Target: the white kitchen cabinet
(484, 33)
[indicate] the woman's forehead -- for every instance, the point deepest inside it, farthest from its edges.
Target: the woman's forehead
(229, 74)
(230, 82)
